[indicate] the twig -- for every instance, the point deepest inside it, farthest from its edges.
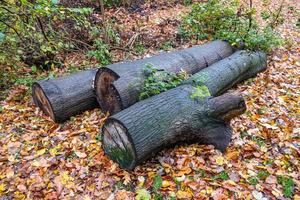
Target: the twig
(250, 15)
(42, 28)
(272, 24)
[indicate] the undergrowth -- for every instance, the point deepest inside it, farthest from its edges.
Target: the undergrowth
(233, 22)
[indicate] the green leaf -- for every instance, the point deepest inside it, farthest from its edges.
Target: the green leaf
(288, 185)
(253, 181)
(157, 182)
(142, 194)
(224, 176)
(263, 174)
(54, 2)
(33, 68)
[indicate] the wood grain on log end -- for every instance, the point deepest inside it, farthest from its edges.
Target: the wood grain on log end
(107, 96)
(117, 144)
(41, 100)
(66, 96)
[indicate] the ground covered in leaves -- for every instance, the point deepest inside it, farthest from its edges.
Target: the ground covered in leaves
(43, 160)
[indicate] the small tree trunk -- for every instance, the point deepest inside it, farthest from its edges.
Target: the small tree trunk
(67, 96)
(118, 86)
(226, 73)
(134, 134)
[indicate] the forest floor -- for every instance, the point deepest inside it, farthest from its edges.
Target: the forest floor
(43, 160)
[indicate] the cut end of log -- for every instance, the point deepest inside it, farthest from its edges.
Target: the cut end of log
(107, 96)
(117, 144)
(41, 100)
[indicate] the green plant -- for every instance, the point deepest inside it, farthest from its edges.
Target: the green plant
(253, 181)
(262, 174)
(187, 2)
(157, 81)
(288, 185)
(157, 184)
(35, 31)
(142, 194)
(99, 137)
(140, 48)
(201, 172)
(229, 20)
(166, 46)
(100, 52)
(259, 141)
(223, 176)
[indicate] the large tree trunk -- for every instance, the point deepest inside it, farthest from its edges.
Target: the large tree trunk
(118, 86)
(134, 134)
(182, 113)
(66, 96)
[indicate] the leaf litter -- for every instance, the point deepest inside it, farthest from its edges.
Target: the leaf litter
(43, 160)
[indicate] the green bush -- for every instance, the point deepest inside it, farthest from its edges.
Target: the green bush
(228, 20)
(100, 52)
(35, 31)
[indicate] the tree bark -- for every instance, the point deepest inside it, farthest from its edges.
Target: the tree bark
(118, 86)
(134, 134)
(226, 73)
(66, 96)
(178, 115)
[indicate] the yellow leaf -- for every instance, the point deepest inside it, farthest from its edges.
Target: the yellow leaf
(54, 151)
(220, 160)
(2, 188)
(41, 152)
(209, 190)
(296, 197)
(183, 194)
(166, 184)
(65, 178)
(141, 180)
(86, 197)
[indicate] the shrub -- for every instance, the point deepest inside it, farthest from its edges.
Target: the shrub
(100, 52)
(35, 31)
(230, 21)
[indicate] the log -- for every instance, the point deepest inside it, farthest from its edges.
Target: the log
(66, 96)
(118, 86)
(136, 133)
(226, 73)
(178, 115)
